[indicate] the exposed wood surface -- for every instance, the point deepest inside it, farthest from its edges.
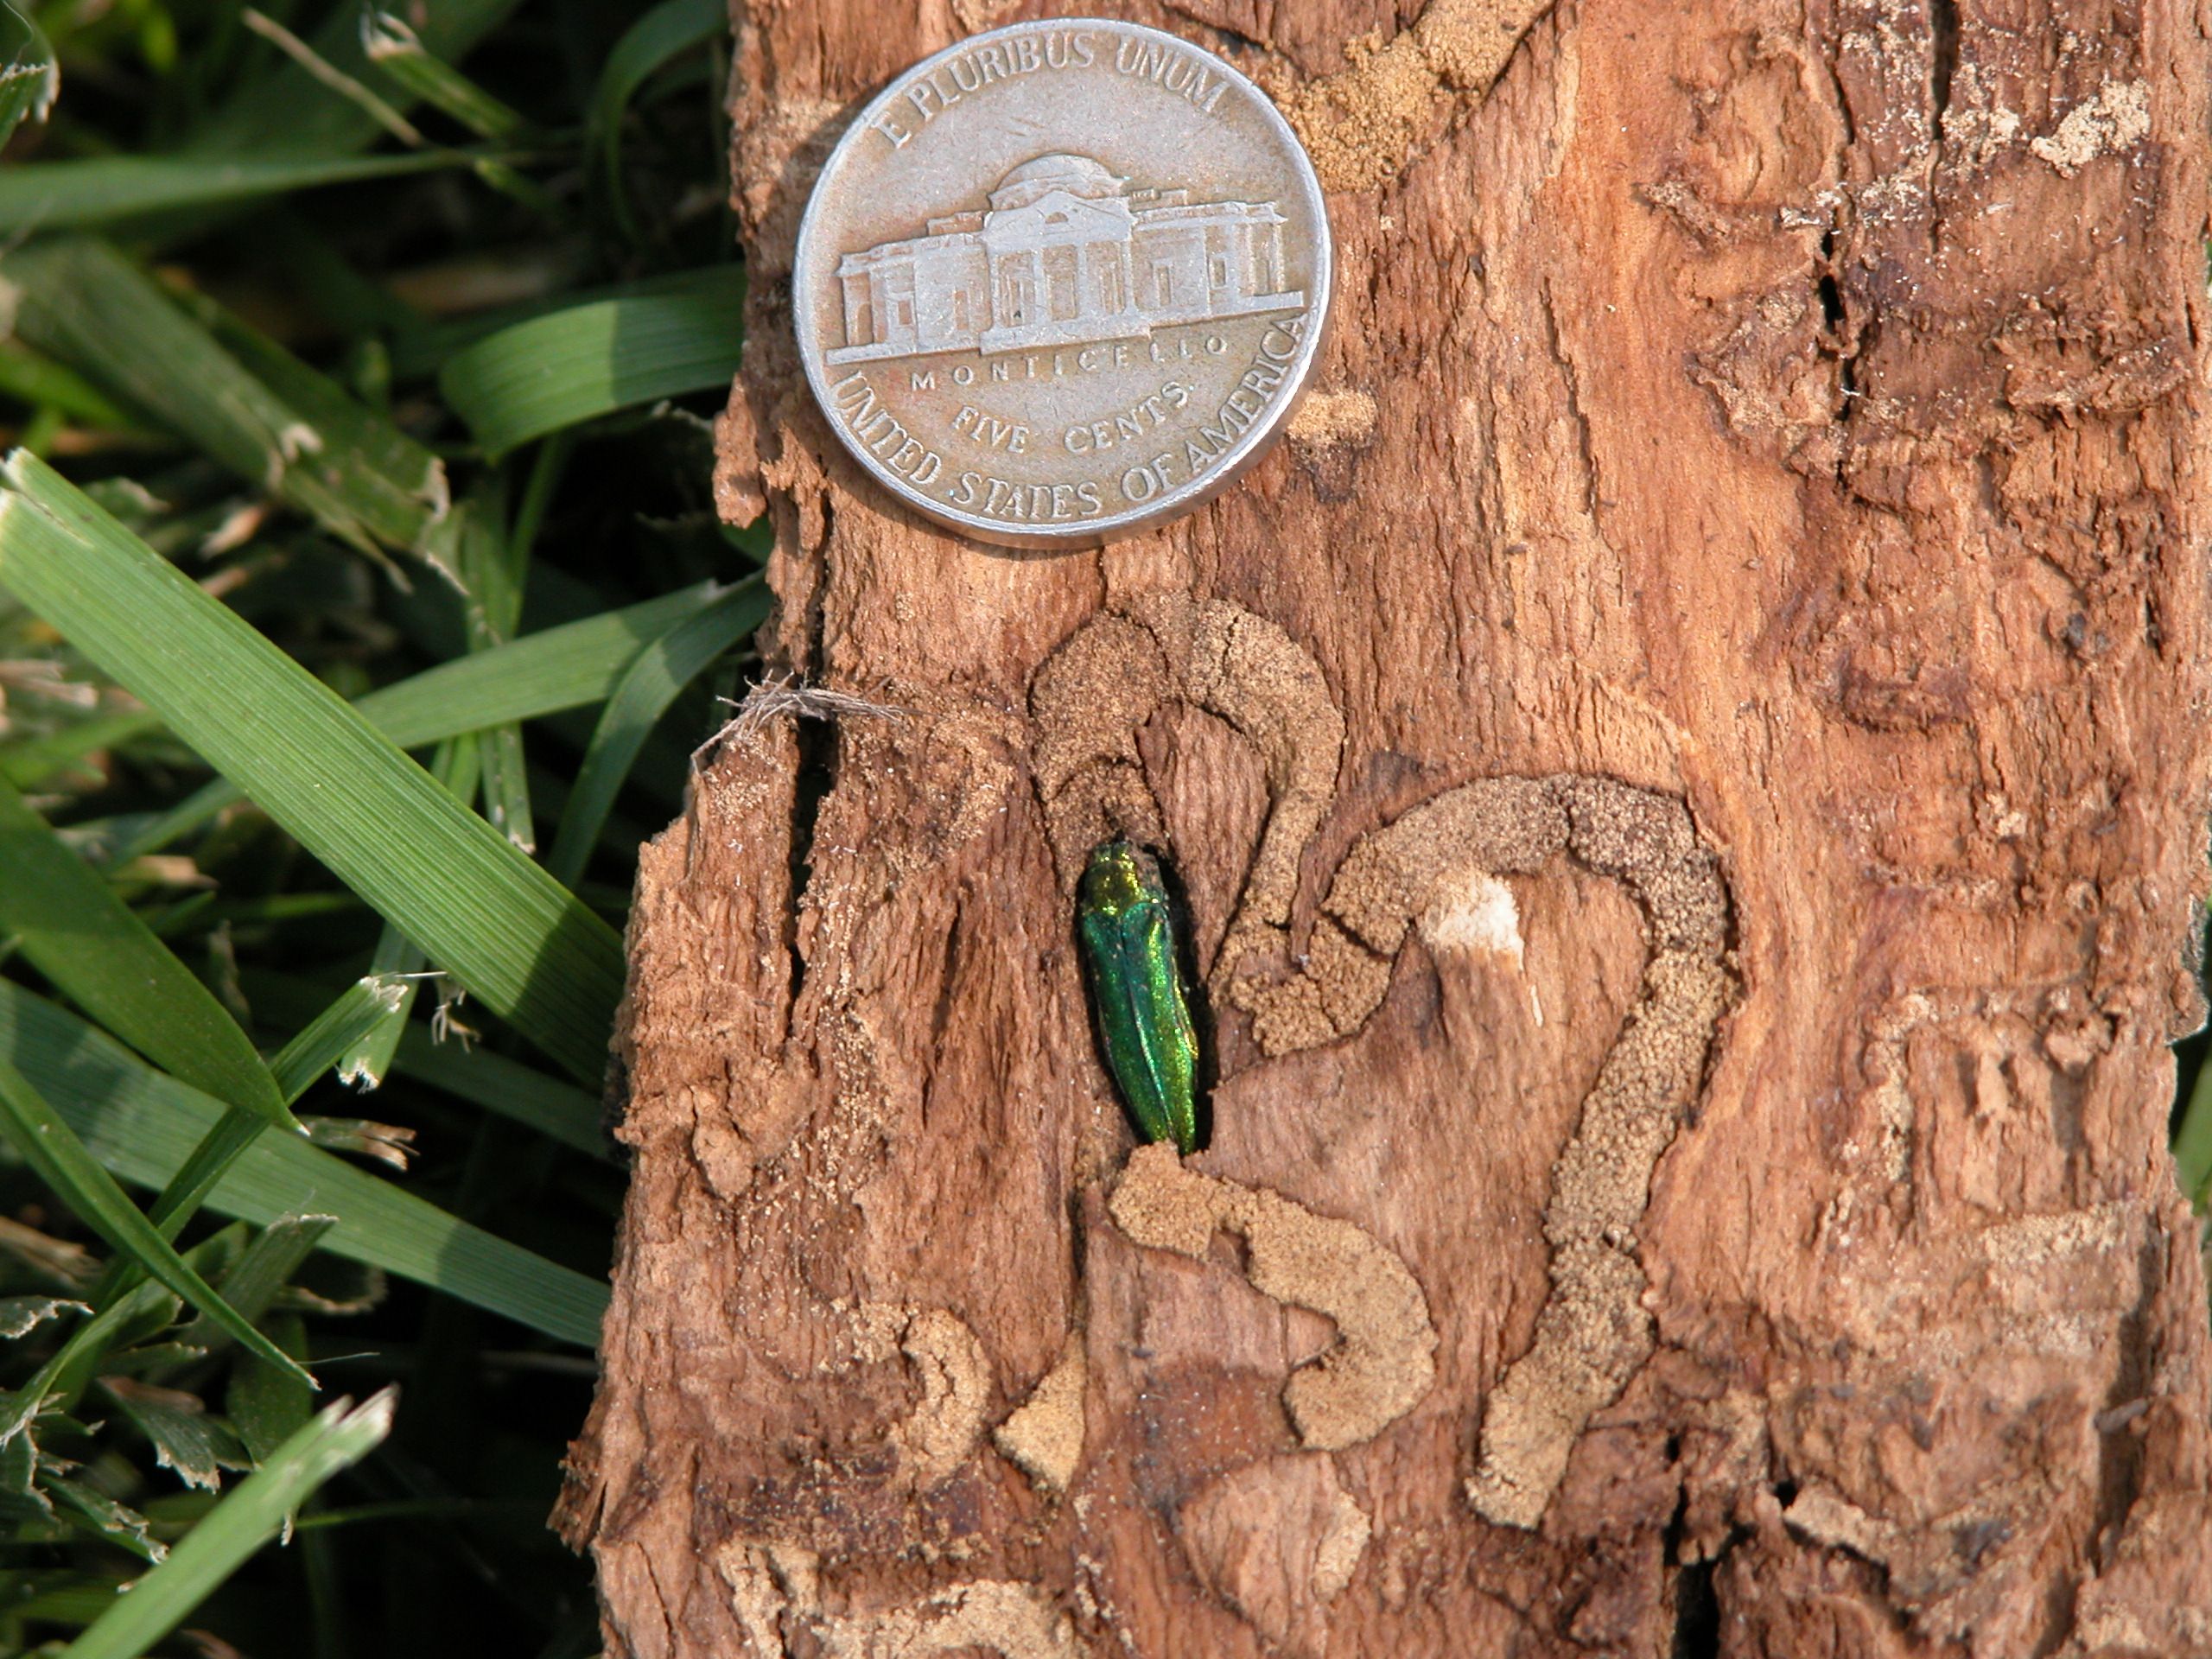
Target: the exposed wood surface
(1690, 771)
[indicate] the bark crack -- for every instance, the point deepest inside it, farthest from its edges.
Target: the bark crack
(1572, 379)
(1942, 62)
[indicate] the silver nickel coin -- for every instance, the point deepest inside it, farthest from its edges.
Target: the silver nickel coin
(1062, 281)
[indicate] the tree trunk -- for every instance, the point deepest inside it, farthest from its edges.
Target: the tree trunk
(1690, 767)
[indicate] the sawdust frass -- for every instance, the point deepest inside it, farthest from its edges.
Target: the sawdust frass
(1089, 700)
(1384, 1357)
(1361, 125)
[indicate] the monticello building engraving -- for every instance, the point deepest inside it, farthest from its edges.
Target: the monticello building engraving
(1063, 256)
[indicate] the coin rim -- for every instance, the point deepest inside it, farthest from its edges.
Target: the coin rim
(1257, 439)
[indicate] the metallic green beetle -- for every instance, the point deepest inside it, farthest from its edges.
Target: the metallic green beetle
(1130, 946)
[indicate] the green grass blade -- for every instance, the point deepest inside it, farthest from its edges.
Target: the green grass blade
(89, 944)
(365, 1004)
(365, 1061)
(29, 81)
(69, 1372)
(423, 349)
(573, 365)
(392, 484)
(270, 419)
(493, 567)
(62, 1160)
(20, 1315)
(190, 1183)
(330, 77)
(263, 1406)
(390, 44)
(513, 1089)
(101, 1517)
(540, 674)
(185, 1438)
(181, 1195)
(80, 194)
(80, 300)
(252, 1281)
(669, 28)
(558, 1110)
(259, 1509)
(506, 787)
(651, 683)
(30, 378)
(144, 1124)
(290, 110)
(507, 772)
(504, 928)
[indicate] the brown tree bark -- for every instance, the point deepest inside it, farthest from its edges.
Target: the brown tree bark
(1690, 768)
